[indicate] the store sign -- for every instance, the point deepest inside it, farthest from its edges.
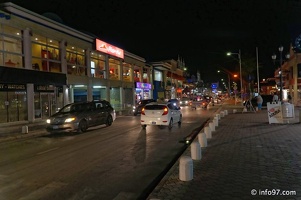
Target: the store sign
(274, 112)
(109, 49)
(7, 87)
(143, 85)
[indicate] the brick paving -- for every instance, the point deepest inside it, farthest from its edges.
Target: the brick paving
(246, 154)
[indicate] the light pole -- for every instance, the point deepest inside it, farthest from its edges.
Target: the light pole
(280, 69)
(240, 75)
(229, 93)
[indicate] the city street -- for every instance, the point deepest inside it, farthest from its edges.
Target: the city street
(118, 162)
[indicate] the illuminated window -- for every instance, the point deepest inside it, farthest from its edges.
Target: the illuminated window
(114, 69)
(11, 47)
(98, 65)
(76, 62)
(45, 54)
(127, 72)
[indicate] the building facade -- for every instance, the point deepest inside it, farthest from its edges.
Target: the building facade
(45, 65)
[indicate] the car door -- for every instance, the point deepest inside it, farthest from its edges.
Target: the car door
(101, 113)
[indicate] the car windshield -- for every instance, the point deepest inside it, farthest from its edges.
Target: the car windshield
(74, 108)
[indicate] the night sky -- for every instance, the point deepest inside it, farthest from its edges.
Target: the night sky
(199, 31)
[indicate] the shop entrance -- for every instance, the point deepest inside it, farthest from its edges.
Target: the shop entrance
(13, 106)
(44, 105)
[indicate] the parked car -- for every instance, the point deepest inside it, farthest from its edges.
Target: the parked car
(185, 101)
(165, 114)
(137, 109)
(175, 102)
(78, 117)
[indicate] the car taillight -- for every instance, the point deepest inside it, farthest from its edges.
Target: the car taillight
(165, 111)
(142, 111)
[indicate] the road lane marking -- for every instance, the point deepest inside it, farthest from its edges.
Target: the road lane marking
(43, 152)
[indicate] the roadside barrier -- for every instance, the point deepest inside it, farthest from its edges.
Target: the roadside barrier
(212, 126)
(218, 116)
(234, 110)
(25, 129)
(196, 152)
(208, 132)
(215, 121)
(222, 114)
(185, 168)
(202, 139)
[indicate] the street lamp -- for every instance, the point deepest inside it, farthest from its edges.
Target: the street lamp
(280, 70)
(240, 75)
(218, 71)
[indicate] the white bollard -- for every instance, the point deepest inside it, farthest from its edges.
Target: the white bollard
(24, 129)
(212, 126)
(226, 112)
(234, 110)
(185, 168)
(215, 121)
(196, 152)
(222, 113)
(218, 116)
(202, 139)
(208, 132)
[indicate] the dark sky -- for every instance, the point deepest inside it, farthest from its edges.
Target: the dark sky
(199, 31)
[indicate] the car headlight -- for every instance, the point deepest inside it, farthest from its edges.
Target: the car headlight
(48, 121)
(70, 119)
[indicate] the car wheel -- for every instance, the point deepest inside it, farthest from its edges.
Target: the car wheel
(170, 124)
(180, 121)
(109, 121)
(143, 126)
(82, 126)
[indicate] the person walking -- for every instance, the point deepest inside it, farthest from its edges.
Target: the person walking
(275, 97)
(259, 102)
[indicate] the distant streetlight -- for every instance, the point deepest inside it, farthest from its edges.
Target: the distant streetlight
(280, 69)
(239, 57)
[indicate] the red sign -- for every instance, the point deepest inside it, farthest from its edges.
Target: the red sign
(109, 49)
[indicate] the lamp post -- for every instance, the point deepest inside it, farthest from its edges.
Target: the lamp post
(280, 69)
(229, 93)
(240, 75)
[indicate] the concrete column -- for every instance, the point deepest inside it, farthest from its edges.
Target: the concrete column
(30, 102)
(27, 48)
(63, 45)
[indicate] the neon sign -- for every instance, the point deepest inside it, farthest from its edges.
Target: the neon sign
(109, 49)
(143, 85)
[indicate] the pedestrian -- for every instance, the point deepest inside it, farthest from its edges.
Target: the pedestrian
(259, 102)
(275, 97)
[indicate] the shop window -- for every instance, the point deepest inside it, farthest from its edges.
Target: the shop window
(158, 75)
(97, 65)
(114, 69)
(76, 61)
(45, 54)
(10, 47)
(137, 75)
(127, 72)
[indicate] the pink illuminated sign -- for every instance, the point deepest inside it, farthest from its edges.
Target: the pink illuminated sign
(109, 49)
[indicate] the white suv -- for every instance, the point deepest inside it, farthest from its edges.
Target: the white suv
(165, 114)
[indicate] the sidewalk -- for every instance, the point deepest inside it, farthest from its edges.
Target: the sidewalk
(245, 156)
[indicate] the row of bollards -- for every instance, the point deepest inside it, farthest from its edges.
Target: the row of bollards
(186, 162)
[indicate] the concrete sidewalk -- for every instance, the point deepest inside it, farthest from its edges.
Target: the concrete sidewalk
(246, 158)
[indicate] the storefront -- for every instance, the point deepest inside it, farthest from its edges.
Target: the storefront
(29, 94)
(143, 91)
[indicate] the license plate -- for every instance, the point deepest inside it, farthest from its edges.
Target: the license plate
(153, 123)
(55, 127)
